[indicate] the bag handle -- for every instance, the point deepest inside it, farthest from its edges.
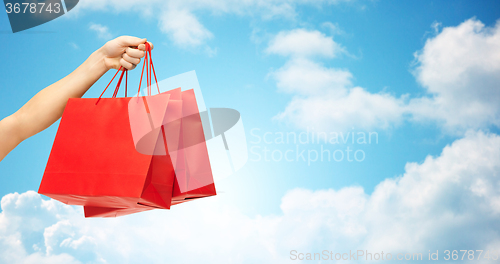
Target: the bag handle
(150, 70)
(124, 72)
(148, 64)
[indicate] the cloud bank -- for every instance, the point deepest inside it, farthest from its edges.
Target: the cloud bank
(459, 69)
(450, 201)
(325, 98)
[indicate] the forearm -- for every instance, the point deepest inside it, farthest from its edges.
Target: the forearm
(47, 106)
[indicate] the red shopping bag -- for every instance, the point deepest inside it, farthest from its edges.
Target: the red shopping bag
(186, 149)
(183, 131)
(193, 177)
(127, 155)
(94, 162)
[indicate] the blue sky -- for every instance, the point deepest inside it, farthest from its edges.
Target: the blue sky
(391, 67)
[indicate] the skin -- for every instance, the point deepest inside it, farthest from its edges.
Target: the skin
(47, 106)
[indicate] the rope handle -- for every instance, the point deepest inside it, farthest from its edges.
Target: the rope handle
(115, 93)
(150, 70)
(148, 64)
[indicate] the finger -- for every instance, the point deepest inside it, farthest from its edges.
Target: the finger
(130, 59)
(143, 47)
(127, 65)
(134, 53)
(129, 41)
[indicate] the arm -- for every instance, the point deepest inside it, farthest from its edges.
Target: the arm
(47, 106)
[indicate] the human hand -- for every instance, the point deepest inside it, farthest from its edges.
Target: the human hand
(124, 51)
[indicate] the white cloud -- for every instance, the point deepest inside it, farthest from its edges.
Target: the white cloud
(460, 69)
(184, 28)
(102, 31)
(304, 43)
(210, 52)
(74, 45)
(446, 202)
(305, 77)
(333, 28)
(116, 5)
(267, 9)
(325, 98)
(356, 109)
(431, 201)
(28, 227)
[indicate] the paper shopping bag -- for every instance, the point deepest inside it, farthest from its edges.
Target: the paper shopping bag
(151, 130)
(94, 161)
(131, 154)
(193, 174)
(183, 132)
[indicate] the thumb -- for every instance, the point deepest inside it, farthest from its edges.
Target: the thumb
(129, 41)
